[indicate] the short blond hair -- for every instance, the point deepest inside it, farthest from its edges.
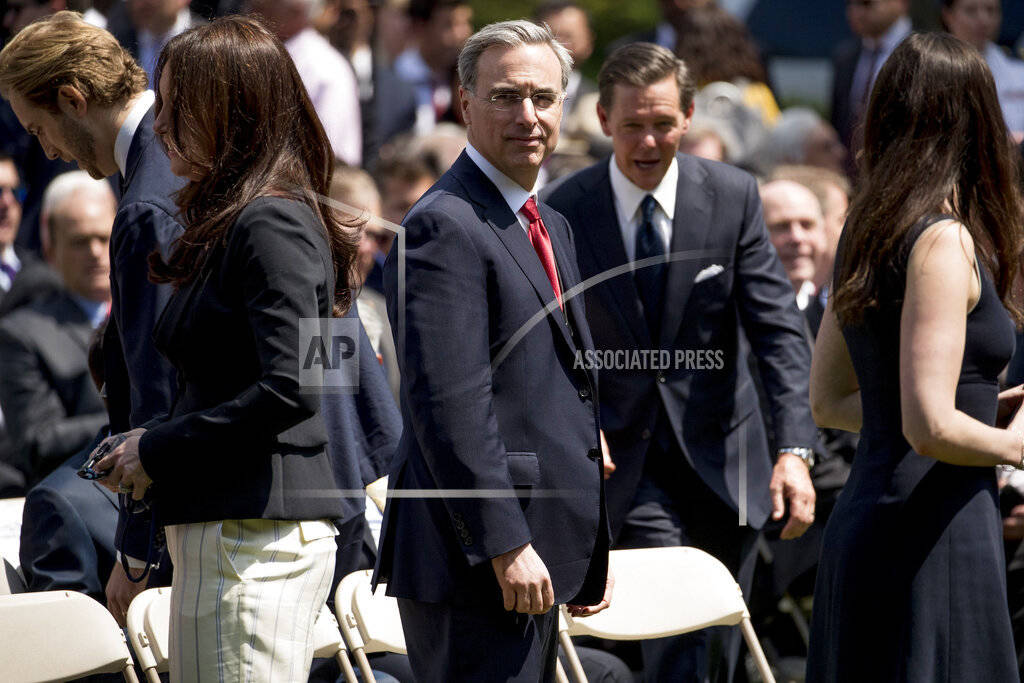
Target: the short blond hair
(62, 49)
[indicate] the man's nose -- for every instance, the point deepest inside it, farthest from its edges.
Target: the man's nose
(527, 112)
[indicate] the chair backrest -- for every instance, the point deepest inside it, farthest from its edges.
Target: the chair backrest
(368, 620)
(11, 580)
(58, 635)
(148, 624)
(663, 592)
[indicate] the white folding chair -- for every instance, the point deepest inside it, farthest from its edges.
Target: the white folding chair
(59, 635)
(369, 622)
(662, 592)
(148, 623)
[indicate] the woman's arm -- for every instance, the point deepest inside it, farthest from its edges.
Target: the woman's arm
(941, 289)
(835, 394)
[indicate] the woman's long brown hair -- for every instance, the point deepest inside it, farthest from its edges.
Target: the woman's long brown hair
(241, 113)
(934, 134)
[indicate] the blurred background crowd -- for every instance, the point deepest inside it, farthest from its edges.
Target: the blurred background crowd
(782, 87)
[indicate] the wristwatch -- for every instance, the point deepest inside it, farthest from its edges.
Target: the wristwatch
(805, 454)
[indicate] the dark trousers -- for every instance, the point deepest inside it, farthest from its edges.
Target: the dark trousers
(674, 507)
(447, 643)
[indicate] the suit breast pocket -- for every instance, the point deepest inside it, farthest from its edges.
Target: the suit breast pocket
(523, 469)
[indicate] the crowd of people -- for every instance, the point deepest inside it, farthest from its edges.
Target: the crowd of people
(510, 250)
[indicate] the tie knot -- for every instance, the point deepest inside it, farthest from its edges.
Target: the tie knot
(530, 210)
(647, 207)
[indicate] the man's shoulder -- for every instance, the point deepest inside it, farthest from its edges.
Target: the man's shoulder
(561, 193)
(41, 318)
(719, 177)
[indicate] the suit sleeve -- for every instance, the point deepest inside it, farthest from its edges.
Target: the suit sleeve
(280, 272)
(775, 328)
(142, 228)
(57, 551)
(44, 434)
(444, 353)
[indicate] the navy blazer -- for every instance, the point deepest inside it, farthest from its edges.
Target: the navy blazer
(844, 108)
(742, 293)
(140, 382)
(244, 438)
(495, 412)
(50, 403)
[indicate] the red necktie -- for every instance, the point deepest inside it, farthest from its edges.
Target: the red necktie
(542, 245)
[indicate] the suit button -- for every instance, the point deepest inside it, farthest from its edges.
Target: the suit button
(594, 454)
(584, 394)
(661, 377)
(646, 434)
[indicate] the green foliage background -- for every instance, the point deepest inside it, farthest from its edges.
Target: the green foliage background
(612, 19)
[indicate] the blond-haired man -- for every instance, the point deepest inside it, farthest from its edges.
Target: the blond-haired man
(83, 96)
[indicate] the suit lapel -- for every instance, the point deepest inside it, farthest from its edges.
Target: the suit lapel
(690, 230)
(508, 229)
(602, 236)
(143, 135)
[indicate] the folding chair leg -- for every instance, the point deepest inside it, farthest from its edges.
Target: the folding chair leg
(364, 664)
(151, 675)
(129, 673)
(755, 649)
(574, 659)
(560, 676)
(346, 667)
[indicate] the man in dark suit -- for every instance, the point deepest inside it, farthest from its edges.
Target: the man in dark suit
(879, 25)
(50, 404)
(106, 125)
(498, 497)
(684, 279)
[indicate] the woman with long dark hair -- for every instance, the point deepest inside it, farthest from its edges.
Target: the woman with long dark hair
(912, 585)
(240, 477)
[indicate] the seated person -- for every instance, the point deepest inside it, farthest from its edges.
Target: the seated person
(51, 407)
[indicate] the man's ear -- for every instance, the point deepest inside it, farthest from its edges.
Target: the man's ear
(602, 116)
(72, 102)
(464, 96)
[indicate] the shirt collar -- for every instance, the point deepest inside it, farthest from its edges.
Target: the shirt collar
(891, 38)
(804, 294)
(630, 196)
(513, 193)
(126, 133)
(96, 311)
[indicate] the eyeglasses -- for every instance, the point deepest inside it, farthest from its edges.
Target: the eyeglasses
(511, 100)
(18, 192)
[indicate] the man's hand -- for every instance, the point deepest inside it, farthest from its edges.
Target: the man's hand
(606, 601)
(791, 481)
(606, 452)
(120, 593)
(1013, 526)
(524, 580)
(126, 472)
(1009, 404)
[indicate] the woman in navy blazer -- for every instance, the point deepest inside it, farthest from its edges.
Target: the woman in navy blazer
(241, 481)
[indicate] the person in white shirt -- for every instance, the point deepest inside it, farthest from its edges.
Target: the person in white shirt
(327, 75)
(977, 22)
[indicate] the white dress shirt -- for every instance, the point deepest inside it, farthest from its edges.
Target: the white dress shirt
(332, 88)
(514, 194)
(8, 257)
(126, 133)
(627, 205)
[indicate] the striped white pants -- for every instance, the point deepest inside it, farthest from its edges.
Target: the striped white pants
(244, 597)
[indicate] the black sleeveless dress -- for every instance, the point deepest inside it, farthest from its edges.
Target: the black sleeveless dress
(912, 580)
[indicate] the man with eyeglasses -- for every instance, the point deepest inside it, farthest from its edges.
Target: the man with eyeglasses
(879, 25)
(497, 509)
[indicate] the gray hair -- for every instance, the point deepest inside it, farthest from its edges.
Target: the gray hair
(786, 142)
(509, 34)
(66, 185)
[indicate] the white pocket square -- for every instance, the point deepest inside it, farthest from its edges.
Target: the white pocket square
(708, 272)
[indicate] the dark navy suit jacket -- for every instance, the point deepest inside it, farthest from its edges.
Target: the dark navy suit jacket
(741, 294)
(494, 410)
(140, 382)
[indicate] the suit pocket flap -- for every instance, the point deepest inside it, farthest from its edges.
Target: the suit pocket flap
(524, 469)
